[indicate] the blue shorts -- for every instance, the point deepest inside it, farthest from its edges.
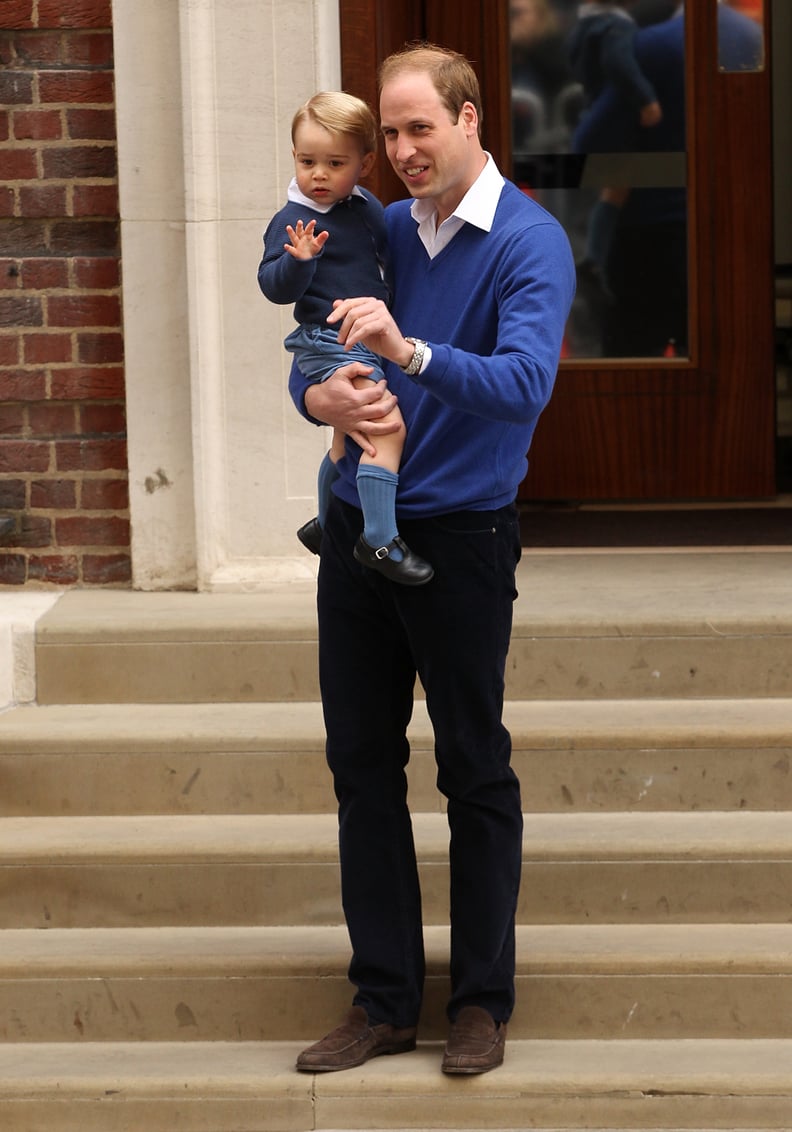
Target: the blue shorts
(319, 354)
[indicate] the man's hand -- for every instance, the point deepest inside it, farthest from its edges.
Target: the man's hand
(369, 321)
(357, 412)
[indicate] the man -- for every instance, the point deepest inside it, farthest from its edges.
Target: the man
(483, 279)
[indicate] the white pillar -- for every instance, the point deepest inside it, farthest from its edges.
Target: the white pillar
(222, 469)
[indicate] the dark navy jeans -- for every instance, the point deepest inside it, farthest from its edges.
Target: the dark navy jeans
(374, 636)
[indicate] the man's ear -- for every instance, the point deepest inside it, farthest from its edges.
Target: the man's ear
(469, 117)
(367, 164)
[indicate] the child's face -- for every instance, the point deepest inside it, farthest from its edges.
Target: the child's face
(327, 166)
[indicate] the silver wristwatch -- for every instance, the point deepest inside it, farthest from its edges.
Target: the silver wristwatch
(416, 361)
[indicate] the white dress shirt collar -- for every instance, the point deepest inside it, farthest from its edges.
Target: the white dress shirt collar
(295, 195)
(477, 207)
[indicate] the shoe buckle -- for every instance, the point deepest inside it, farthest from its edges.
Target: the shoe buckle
(381, 553)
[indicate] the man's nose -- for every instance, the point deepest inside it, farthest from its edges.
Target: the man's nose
(404, 149)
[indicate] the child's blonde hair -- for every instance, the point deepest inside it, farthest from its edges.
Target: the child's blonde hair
(340, 113)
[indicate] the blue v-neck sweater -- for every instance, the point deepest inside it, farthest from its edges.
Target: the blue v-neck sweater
(492, 306)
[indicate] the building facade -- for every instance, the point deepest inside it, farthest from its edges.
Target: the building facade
(146, 434)
(150, 441)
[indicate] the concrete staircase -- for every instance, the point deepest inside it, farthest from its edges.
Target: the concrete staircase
(170, 931)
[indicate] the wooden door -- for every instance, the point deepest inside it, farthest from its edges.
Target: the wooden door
(696, 427)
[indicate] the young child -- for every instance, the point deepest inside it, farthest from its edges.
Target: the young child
(336, 248)
(601, 53)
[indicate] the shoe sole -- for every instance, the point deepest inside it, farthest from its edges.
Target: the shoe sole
(460, 1071)
(385, 1051)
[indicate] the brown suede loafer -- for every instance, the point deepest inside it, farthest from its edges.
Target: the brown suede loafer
(354, 1042)
(476, 1042)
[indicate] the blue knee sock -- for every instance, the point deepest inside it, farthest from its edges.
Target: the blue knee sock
(377, 490)
(328, 474)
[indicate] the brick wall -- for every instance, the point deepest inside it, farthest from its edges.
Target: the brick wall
(63, 461)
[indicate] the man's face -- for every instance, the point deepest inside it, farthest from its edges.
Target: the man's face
(433, 155)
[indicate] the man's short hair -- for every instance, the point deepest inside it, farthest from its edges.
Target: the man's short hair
(451, 73)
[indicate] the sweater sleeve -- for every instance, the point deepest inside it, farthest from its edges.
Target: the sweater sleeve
(281, 277)
(529, 301)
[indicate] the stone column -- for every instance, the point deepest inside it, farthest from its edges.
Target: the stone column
(222, 469)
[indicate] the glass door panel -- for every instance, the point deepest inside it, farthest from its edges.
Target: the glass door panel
(741, 46)
(599, 138)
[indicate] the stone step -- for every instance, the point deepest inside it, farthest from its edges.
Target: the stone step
(586, 627)
(283, 869)
(267, 984)
(654, 755)
(253, 1087)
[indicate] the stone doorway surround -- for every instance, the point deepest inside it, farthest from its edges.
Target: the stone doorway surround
(222, 469)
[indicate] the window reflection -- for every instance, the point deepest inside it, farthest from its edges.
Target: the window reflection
(741, 35)
(599, 139)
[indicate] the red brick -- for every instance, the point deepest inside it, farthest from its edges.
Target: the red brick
(26, 238)
(90, 49)
(51, 420)
(104, 495)
(84, 310)
(9, 352)
(21, 310)
(10, 275)
(95, 200)
(79, 161)
(109, 569)
(16, 88)
(42, 200)
(100, 348)
(12, 420)
(13, 495)
(16, 14)
(43, 349)
(76, 86)
(5, 125)
(100, 273)
(91, 455)
(84, 237)
(19, 164)
(39, 49)
(100, 382)
(23, 385)
(42, 274)
(82, 530)
(103, 420)
(94, 124)
(75, 14)
(38, 125)
(13, 567)
(54, 494)
(24, 456)
(57, 569)
(34, 530)
(7, 201)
